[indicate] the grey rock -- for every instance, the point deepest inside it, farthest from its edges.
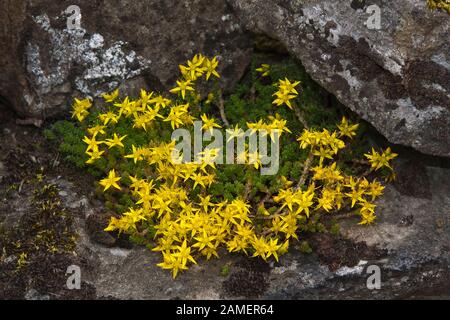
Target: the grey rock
(415, 264)
(426, 238)
(33, 294)
(397, 78)
(126, 44)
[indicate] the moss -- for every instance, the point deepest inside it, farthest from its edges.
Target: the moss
(304, 247)
(252, 101)
(47, 228)
(225, 270)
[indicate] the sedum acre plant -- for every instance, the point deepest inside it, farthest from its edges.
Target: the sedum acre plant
(439, 4)
(185, 210)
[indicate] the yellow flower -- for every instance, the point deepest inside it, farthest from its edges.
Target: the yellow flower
(160, 102)
(182, 86)
(107, 117)
(347, 129)
(283, 98)
(355, 195)
(261, 247)
(209, 124)
(286, 92)
(136, 155)
(184, 253)
(176, 115)
(367, 218)
(145, 98)
(378, 161)
(288, 87)
(194, 68)
(172, 262)
(210, 67)
(375, 189)
(110, 181)
(94, 155)
(204, 241)
(92, 143)
(264, 69)
(115, 141)
(80, 108)
(234, 133)
(272, 249)
(112, 96)
(323, 153)
(98, 129)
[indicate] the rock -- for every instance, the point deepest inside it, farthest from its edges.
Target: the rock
(95, 225)
(413, 258)
(2, 171)
(414, 228)
(409, 243)
(397, 78)
(33, 294)
(126, 44)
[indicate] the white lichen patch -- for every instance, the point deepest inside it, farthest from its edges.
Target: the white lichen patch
(353, 82)
(441, 60)
(282, 269)
(437, 87)
(100, 66)
(412, 117)
(348, 271)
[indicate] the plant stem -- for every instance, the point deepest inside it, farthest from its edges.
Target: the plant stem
(222, 109)
(300, 116)
(306, 168)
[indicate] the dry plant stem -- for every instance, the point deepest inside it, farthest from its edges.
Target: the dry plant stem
(266, 198)
(300, 117)
(222, 109)
(278, 213)
(248, 188)
(346, 215)
(306, 168)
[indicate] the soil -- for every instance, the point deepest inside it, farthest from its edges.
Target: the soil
(33, 222)
(336, 252)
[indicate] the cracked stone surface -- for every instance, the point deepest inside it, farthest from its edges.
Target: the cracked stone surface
(409, 242)
(413, 263)
(396, 77)
(125, 44)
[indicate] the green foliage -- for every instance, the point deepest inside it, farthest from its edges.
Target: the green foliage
(251, 101)
(304, 247)
(225, 270)
(189, 209)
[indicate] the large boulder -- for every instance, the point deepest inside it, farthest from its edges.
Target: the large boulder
(46, 59)
(396, 77)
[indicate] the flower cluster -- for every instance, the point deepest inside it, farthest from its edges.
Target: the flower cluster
(264, 69)
(286, 92)
(80, 108)
(173, 198)
(323, 144)
(439, 4)
(276, 125)
(380, 160)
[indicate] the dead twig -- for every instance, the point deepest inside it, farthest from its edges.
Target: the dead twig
(221, 106)
(306, 168)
